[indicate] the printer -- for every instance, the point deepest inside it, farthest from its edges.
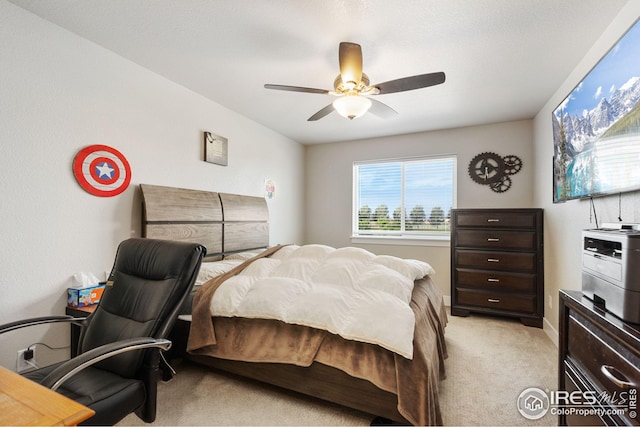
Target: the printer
(611, 269)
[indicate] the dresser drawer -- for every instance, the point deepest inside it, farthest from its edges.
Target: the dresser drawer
(491, 260)
(599, 355)
(604, 360)
(495, 219)
(495, 280)
(496, 300)
(499, 239)
(574, 384)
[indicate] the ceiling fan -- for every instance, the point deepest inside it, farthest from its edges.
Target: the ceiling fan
(353, 90)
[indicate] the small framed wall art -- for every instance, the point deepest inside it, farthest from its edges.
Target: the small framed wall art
(215, 149)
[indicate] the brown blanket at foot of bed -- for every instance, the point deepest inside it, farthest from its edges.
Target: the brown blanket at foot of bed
(415, 381)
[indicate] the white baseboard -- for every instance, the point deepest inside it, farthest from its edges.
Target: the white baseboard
(551, 332)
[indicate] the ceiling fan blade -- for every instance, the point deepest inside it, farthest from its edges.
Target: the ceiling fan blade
(320, 114)
(411, 83)
(381, 109)
(350, 58)
(297, 89)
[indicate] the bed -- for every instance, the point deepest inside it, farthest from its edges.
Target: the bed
(388, 380)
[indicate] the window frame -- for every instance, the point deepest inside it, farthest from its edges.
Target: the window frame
(407, 237)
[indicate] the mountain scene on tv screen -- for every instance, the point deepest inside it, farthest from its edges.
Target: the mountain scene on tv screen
(596, 129)
(585, 129)
(592, 149)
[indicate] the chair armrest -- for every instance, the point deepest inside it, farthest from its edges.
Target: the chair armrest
(8, 327)
(71, 367)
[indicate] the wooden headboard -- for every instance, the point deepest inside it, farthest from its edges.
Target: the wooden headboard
(223, 223)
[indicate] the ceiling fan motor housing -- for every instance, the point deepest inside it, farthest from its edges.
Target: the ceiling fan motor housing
(342, 88)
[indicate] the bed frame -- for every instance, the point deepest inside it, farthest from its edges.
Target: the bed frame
(225, 224)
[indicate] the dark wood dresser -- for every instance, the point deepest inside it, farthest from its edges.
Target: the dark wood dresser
(497, 263)
(599, 365)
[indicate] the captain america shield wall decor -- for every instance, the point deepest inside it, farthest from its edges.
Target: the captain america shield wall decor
(101, 170)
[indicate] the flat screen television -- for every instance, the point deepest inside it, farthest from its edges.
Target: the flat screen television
(596, 128)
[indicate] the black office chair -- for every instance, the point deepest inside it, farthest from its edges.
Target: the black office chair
(117, 368)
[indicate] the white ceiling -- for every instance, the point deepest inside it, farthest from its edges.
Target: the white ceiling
(503, 59)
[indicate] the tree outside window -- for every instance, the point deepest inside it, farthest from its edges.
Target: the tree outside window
(404, 197)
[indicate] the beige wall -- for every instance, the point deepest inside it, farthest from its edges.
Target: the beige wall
(328, 187)
(564, 222)
(60, 93)
(328, 199)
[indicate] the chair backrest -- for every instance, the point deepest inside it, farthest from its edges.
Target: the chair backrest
(149, 282)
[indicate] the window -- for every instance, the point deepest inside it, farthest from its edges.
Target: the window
(406, 198)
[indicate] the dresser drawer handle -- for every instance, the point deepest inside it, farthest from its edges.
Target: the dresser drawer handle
(493, 239)
(491, 279)
(609, 371)
(493, 300)
(493, 220)
(493, 260)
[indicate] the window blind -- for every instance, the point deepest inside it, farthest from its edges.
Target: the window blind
(409, 196)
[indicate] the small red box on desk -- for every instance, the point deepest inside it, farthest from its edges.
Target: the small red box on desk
(81, 297)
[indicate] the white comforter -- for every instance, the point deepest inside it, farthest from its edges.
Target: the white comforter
(349, 291)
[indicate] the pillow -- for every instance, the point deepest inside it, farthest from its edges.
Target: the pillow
(243, 256)
(318, 252)
(209, 270)
(410, 268)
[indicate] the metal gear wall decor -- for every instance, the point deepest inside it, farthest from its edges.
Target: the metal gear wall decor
(502, 185)
(486, 168)
(512, 164)
(493, 170)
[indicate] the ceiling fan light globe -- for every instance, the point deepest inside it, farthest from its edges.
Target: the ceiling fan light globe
(352, 106)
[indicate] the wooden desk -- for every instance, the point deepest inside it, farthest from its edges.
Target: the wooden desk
(24, 402)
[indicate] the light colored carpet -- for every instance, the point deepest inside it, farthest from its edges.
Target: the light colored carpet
(491, 361)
